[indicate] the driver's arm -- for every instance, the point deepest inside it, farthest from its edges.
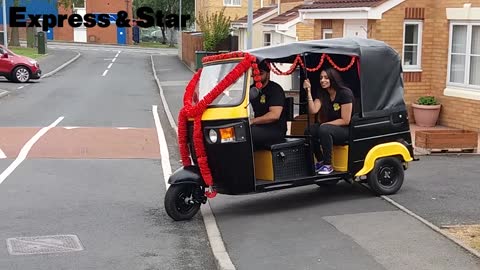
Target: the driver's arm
(273, 115)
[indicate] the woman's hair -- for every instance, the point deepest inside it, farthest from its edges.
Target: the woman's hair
(335, 79)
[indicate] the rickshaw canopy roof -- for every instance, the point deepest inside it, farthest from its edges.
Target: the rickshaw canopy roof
(380, 67)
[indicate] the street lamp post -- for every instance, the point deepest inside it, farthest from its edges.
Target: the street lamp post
(5, 39)
(249, 24)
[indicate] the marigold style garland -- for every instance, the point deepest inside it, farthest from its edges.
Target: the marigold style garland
(298, 61)
(191, 110)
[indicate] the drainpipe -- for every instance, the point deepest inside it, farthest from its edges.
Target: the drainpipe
(127, 28)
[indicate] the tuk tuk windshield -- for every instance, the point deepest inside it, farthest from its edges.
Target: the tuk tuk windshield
(211, 75)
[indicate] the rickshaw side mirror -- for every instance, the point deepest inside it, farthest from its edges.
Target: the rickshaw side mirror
(254, 92)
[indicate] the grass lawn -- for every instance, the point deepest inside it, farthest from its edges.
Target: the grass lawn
(468, 234)
(154, 45)
(28, 52)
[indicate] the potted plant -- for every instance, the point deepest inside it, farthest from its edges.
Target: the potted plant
(426, 111)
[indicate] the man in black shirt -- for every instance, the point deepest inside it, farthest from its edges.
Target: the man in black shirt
(269, 124)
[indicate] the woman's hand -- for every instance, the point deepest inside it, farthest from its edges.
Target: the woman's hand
(307, 85)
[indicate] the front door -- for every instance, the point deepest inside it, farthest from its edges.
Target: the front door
(121, 36)
(355, 28)
(80, 33)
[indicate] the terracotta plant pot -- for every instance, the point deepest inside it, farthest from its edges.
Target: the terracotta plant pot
(426, 115)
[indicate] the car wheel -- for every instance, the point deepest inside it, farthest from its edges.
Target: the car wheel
(21, 74)
(387, 176)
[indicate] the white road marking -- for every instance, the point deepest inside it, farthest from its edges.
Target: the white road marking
(105, 73)
(213, 233)
(2, 154)
(113, 60)
(164, 101)
(125, 128)
(70, 127)
(165, 157)
(20, 87)
(109, 66)
(26, 149)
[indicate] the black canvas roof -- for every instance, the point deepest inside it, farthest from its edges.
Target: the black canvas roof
(381, 81)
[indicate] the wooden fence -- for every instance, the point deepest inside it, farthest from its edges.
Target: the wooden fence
(191, 42)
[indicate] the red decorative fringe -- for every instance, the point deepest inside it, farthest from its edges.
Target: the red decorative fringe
(298, 61)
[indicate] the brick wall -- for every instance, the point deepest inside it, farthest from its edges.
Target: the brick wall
(456, 112)
(286, 5)
(305, 31)
(337, 28)
(212, 6)
(108, 35)
(64, 33)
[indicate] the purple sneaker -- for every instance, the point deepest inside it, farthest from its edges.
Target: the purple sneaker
(325, 169)
(318, 165)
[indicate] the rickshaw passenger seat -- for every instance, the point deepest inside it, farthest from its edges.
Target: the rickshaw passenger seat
(287, 142)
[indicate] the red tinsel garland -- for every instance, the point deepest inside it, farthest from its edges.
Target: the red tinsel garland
(195, 111)
(298, 61)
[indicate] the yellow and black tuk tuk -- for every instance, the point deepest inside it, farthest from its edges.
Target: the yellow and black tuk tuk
(214, 132)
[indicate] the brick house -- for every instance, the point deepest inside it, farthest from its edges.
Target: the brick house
(438, 40)
(108, 35)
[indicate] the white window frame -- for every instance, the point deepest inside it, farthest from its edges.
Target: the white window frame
(326, 31)
(229, 3)
(465, 85)
(418, 66)
(267, 33)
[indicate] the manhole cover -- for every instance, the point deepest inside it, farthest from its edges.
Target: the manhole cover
(43, 244)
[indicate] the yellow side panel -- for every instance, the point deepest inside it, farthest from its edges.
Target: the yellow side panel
(263, 165)
(384, 150)
(340, 158)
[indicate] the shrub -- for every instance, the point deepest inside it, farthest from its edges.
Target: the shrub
(427, 100)
(215, 28)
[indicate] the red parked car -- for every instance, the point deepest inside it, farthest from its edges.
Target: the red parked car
(18, 68)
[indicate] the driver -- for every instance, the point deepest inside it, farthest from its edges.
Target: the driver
(269, 124)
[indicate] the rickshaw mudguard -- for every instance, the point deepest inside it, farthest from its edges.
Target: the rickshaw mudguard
(384, 150)
(186, 175)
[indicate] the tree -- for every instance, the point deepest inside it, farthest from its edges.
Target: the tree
(167, 7)
(215, 28)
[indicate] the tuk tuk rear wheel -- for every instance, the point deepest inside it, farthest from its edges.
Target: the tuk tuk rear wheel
(180, 202)
(387, 176)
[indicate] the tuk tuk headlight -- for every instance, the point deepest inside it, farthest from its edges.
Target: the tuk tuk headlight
(213, 136)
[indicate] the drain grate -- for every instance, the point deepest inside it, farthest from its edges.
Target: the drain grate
(43, 244)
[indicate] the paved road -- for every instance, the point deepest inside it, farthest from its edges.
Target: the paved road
(96, 175)
(313, 228)
(112, 48)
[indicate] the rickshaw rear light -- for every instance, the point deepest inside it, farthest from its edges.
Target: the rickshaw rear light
(227, 134)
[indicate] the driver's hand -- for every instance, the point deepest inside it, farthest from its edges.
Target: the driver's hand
(306, 84)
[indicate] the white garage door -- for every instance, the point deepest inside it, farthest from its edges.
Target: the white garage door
(355, 28)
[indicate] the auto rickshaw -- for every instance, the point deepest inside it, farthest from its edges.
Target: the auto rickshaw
(214, 131)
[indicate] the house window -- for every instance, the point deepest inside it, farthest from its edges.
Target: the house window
(464, 55)
(231, 2)
(267, 39)
(412, 45)
(78, 3)
(327, 33)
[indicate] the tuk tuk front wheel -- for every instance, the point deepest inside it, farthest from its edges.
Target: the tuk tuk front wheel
(180, 201)
(386, 178)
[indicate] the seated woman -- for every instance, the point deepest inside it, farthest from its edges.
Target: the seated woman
(336, 102)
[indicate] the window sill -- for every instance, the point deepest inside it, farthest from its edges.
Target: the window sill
(466, 93)
(412, 69)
